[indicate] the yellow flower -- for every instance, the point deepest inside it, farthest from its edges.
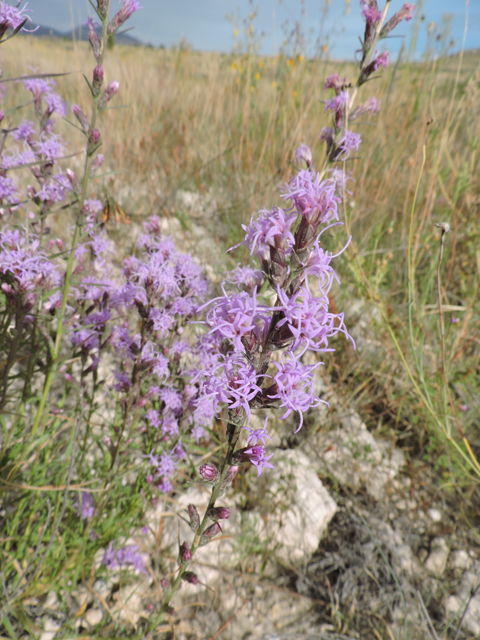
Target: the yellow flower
(300, 58)
(274, 85)
(234, 66)
(252, 89)
(257, 76)
(235, 33)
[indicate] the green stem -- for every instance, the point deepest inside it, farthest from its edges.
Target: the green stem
(66, 288)
(216, 491)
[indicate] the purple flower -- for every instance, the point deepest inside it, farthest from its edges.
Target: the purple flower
(334, 82)
(129, 556)
(350, 142)
(24, 131)
(257, 436)
(172, 400)
(380, 60)
(370, 12)
(12, 17)
(303, 153)
(245, 276)
(128, 8)
(294, 386)
(372, 105)
(152, 458)
(315, 200)
(153, 418)
(8, 190)
(337, 103)
(86, 505)
(255, 455)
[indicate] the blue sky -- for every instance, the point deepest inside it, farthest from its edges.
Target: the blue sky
(203, 22)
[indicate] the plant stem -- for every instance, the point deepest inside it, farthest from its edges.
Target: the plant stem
(66, 288)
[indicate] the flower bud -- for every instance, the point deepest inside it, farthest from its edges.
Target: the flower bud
(210, 533)
(81, 117)
(97, 162)
(170, 611)
(94, 141)
(102, 8)
(112, 89)
(185, 553)
(194, 517)
(231, 473)
(209, 472)
(2, 115)
(191, 577)
(219, 513)
(97, 79)
(164, 583)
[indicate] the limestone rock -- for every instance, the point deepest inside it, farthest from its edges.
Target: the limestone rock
(437, 559)
(457, 603)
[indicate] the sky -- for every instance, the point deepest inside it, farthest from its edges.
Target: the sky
(204, 25)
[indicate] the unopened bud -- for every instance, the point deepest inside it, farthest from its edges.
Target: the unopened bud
(185, 553)
(164, 583)
(94, 141)
(102, 8)
(81, 117)
(2, 115)
(112, 89)
(231, 473)
(191, 577)
(219, 513)
(97, 162)
(97, 79)
(170, 611)
(209, 472)
(194, 517)
(72, 178)
(210, 533)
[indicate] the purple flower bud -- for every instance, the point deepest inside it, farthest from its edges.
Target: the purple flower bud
(219, 513)
(164, 583)
(454, 320)
(97, 162)
(210, 533)
(405, 13)
(464, 407)
(97, 79)
(209, 472)
(231, 473)
(2, 115)
(93, 37)
(185, 553)
(191, 577)
(112, 89)
(128, 8)
(102, 8)
(93, 141)
(170, 611)
(81, 117)
(194, 517)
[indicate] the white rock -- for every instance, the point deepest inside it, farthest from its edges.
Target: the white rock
(355, 458)
(51, 627)
(437, 559)
(52, 600)
(461, 559)
(456, 604)
(128, 605)
(434, 514)
(94, 617)
(303, 506)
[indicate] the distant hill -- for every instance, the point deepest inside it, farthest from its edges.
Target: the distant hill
(80, 33)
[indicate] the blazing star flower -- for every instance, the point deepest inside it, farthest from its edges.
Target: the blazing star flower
(127, 10)
(130, 556)
(12, 17)
(313, 199)
(256, 455)
(25, 130)
(350, 142)
(380, 60)
(294, 386)
(245, 276)
(372, 105)
(255, 436)
(303, 153)
(270, 229)
(337, 103)
(370, 12)
(334, 82)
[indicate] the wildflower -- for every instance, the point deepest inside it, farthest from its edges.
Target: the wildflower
(126, 11)
(191, 577)
(255, 455)
(209, 472)
(304, 153)
(334, 82)
(454, 320)
(12, 17)
(86, 505)
(294, 387)
(338, 103)
(350, 142)
(129, 555)
(185, 553)
(372, 105)
(257, 435)
(210, 533)
(405, 13)
(194, 517)
(219, 513)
